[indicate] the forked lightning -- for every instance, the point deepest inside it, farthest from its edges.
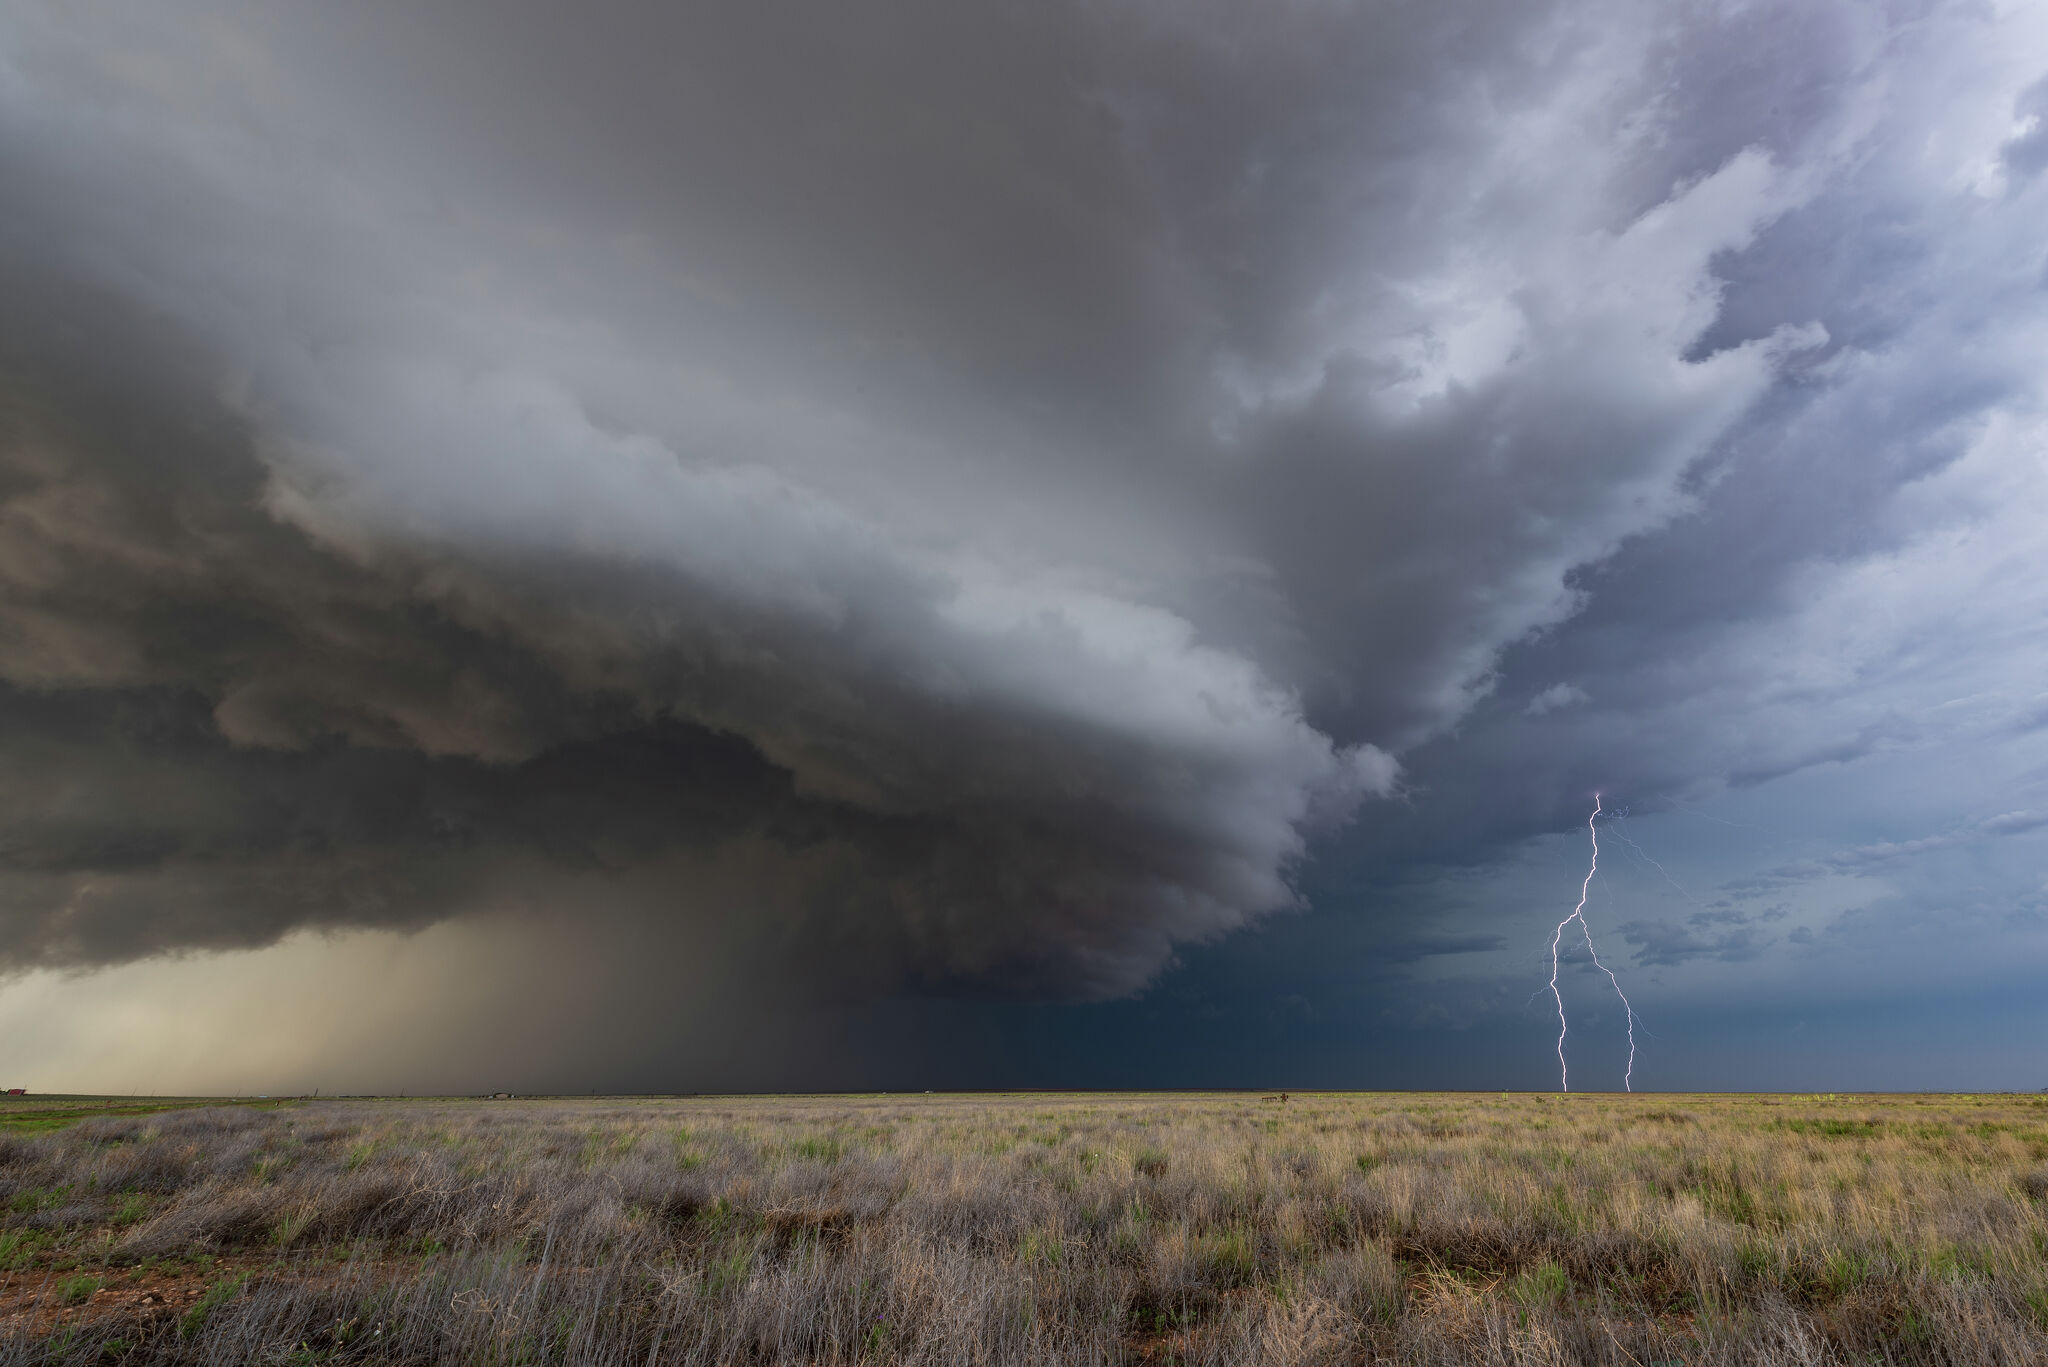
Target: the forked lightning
(1579, 914)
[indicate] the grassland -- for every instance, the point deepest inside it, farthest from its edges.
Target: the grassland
(1645, 1231)
(32, 1114)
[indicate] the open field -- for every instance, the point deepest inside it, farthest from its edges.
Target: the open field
(1651, 1230)
(31, 1114)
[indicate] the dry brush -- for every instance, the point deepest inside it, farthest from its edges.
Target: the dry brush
(1036, 1229)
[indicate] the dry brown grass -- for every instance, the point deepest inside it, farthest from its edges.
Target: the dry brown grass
(1639, 1230)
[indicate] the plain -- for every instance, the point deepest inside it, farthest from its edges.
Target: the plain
(1639, 1231)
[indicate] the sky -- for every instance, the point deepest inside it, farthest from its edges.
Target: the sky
(634, 547)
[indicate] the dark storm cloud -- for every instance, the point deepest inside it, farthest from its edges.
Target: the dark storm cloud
(968, 493)
(223, 729)
(1730, 937)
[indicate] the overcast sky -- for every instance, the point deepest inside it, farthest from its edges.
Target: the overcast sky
(791, 544)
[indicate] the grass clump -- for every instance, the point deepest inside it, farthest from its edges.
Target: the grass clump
(18, 1247)
(818, 1149)
(1829, 1127)
(79, 1290)
(1541, 1286)
(215, 1296)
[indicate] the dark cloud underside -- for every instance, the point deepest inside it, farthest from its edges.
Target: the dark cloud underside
(965, 500)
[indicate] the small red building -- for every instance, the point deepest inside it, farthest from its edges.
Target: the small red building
(17, 1091)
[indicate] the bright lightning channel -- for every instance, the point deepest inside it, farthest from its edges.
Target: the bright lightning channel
(1578, 914)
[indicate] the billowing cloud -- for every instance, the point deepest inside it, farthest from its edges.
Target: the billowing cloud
(968, 503)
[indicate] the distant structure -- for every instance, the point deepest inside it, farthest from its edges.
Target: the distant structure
(23, 1091)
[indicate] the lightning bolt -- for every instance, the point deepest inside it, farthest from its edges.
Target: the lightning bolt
(1578, 914)
(1644, 855)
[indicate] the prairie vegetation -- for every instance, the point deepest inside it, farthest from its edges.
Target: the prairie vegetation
(1633, 1231)
(28, 1114)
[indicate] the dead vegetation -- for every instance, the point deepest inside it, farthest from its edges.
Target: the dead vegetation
(1115, 1228)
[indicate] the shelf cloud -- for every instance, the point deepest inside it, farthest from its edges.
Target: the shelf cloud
(973, 501)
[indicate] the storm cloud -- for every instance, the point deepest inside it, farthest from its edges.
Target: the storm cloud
(974, 501)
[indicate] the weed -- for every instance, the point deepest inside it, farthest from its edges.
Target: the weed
(290, 1226)
(819, 1149)
(1039, 1248)
(38, 1199)
(1844, 1271)
(79, 1290)
(18, 1247)
(1830, 1128)
(215, 1296)
(1227, 1258)
(1542, 1285)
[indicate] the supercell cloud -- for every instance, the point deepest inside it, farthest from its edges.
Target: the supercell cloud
(977, 501)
